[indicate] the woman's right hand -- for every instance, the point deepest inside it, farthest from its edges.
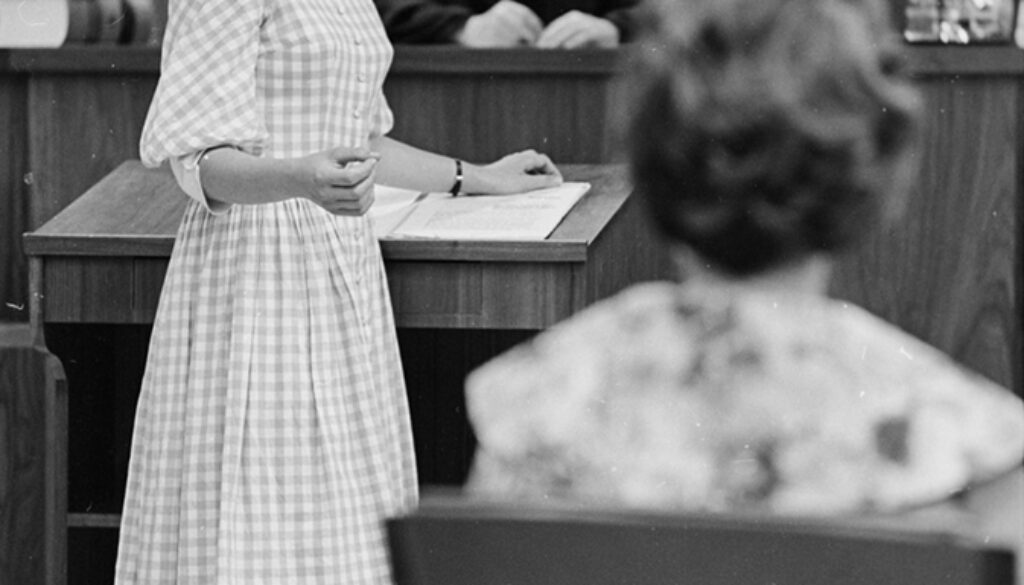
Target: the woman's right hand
(340, 179)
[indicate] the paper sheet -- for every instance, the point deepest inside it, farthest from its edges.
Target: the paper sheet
(391, 206)
(522, 216)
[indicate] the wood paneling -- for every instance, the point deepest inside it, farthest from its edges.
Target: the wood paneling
(103, 290)
(483, 119)
(14, 201)
(950, 270)
(650, 255)
(436, 362)
(82, 127)
(480, 295)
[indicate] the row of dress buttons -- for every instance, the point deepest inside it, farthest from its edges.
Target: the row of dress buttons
(361, 78)
(358, 232)
(341, 10)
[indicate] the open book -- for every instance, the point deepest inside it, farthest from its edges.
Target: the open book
(401, 213)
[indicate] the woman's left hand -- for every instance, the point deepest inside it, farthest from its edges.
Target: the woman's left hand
(517, 172)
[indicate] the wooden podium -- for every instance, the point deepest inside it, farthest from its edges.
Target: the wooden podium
(102, 259)
(97, 267)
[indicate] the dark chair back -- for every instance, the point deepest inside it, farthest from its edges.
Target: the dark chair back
(457, 541)
(33, 461)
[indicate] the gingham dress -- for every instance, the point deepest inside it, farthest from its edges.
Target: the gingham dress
(272, 433)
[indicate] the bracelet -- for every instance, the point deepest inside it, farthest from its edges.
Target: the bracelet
(457, 187)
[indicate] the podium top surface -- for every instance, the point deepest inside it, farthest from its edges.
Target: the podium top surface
(135, 211)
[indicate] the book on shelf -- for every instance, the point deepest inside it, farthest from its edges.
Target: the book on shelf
(56, 23)
(42, 23)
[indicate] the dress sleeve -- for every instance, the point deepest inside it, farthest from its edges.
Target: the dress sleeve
(206, 95)
(186, 172)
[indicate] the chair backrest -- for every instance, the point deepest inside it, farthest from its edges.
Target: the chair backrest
(450, 540)
(33, 460)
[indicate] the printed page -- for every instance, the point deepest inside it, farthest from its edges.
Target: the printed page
(522, 216)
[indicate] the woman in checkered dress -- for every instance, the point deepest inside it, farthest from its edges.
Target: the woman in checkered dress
(272, 433)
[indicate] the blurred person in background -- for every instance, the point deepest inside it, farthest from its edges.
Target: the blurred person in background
(564, 24)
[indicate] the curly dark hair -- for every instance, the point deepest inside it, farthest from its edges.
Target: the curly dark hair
(762, 131)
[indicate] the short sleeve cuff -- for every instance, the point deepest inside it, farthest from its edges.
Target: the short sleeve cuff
(186, 173)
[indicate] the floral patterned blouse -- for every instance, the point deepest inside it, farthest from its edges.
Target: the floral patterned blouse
(713, 399)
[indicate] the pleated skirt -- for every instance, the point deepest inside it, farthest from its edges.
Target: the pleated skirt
(272, 434)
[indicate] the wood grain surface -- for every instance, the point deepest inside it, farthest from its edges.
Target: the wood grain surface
(950, 270)
(33, 455)
(14, 198)
(104, 255)
(82, 127)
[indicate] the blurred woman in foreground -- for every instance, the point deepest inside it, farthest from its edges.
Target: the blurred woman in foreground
(764, 136)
